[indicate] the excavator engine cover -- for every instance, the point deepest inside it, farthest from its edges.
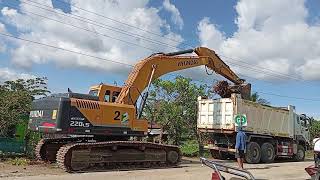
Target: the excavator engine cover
(55, 114)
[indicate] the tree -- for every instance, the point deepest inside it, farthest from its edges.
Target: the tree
(255, 97)
(173, 105)
(16, 98)
(315, 129)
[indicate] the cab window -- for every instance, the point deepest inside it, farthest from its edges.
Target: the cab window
(114, 96)
(93, 92)
(107, 96)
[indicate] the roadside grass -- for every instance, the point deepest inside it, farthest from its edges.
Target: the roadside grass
(309, 154)
(18, 161)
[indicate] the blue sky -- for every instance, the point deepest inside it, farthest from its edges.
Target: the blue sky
(220, 25)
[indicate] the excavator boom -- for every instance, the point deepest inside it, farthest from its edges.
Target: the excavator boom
(157, 65)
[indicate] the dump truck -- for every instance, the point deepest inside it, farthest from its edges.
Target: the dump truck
(272, 132)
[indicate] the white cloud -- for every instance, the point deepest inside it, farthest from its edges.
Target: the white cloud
(136, 13)
(2, 28)
(3, 46)
(8, 12)
(7, 74)
(310, 70)
(175, 13)
(270, 35)
(209, 34)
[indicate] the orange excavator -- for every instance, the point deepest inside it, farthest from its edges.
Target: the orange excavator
(104, 128)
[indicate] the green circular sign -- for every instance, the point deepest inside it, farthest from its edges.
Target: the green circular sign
(240, 120)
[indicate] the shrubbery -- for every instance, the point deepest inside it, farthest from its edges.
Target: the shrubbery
(190, 149)
(32, 139)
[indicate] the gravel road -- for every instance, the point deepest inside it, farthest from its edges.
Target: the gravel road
(187, 171)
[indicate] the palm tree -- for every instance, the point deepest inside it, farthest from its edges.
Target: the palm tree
(256, 98)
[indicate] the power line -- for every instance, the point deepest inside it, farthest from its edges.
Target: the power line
(63, 49)
(99, 24)
(257, 70)
(91, 31)
(259, 79)
(243, 66)
(126, 64)
(151, 40)
(97, 33)
(120, 22)
(188, 45)
(71, 51)
(291, 97)
(69, 4)
(281, 77)
(275, 72)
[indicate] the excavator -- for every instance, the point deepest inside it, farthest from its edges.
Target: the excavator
(105, 127)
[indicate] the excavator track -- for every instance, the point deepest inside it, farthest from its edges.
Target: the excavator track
(116, 155)
(47, 148)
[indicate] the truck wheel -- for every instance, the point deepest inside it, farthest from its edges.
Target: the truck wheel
(300, 154)
(267, 153)
(253, 153)
(224, 155)
(216, 154)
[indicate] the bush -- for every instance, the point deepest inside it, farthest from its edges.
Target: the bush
(32, 138)
(190, 149)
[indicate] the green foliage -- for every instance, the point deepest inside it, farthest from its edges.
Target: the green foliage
(173, 105)
(15, 99)
(19, 161)
(190, 148)
(309, 154)
(32, 138)
(315, 129)
(255, 97)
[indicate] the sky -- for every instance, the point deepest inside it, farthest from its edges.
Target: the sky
(274, 45)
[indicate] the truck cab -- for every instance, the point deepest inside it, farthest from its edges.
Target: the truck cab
(302, 128)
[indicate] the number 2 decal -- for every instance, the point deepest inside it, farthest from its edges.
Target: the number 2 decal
(117, 115)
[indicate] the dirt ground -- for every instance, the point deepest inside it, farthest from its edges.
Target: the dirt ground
(8, 170)
(189, 169)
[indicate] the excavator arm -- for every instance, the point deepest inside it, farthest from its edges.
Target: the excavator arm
(217, 65)
(145, 71)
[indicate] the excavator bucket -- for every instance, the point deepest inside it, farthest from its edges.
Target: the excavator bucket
(224, 89)
(245, 91)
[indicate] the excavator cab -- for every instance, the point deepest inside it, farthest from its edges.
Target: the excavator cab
(106, 93)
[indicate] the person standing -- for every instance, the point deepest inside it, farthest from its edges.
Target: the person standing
(316, 150)
(240, 147)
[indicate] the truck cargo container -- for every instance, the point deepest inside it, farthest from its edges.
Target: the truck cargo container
(271, 131)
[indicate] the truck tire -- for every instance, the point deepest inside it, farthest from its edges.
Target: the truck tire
(253, 153)
(267, 153)
(224, 155)
(216, 154)
(300, 154)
